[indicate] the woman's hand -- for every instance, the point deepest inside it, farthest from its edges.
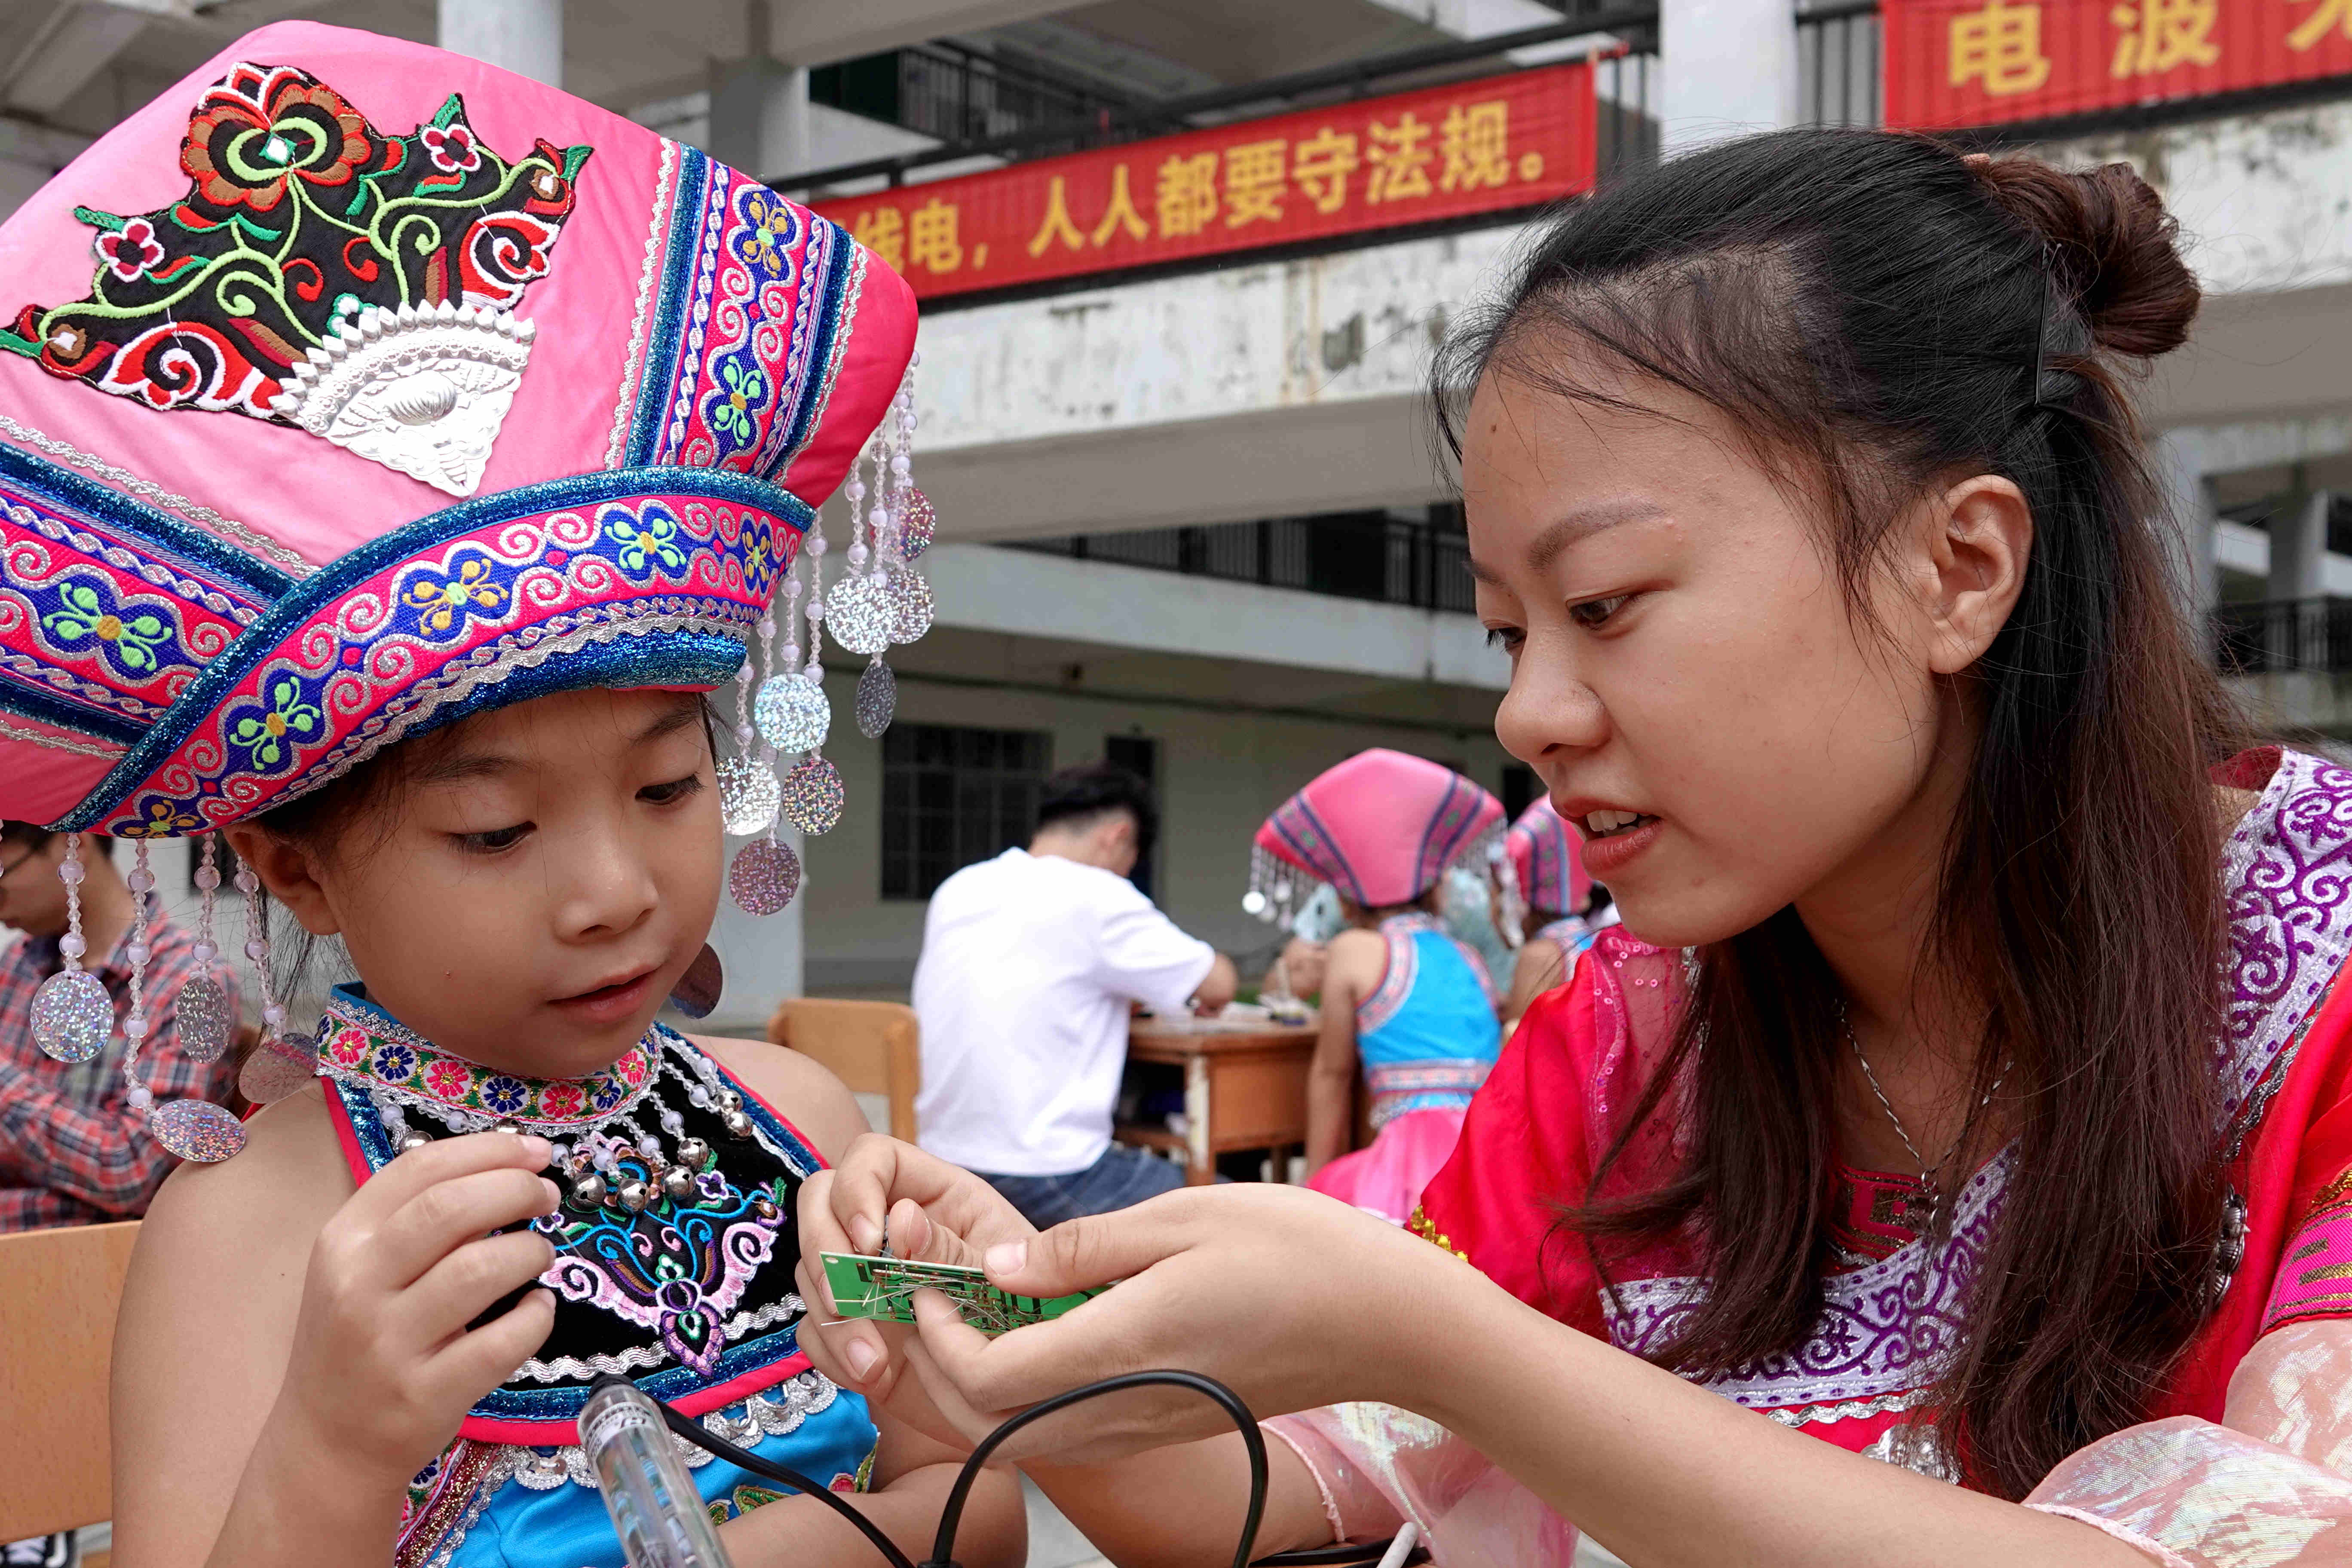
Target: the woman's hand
(932, 1212)
(383, 1368)
(1291, 1298)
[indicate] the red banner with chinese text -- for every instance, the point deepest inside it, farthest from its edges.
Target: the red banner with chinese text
(1489, 145)
(1983, 62)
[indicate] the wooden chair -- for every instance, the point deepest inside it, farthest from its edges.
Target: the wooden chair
(875, 1047)
(58, 1289)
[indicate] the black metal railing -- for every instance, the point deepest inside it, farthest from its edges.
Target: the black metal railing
(960, 95)
(1838, 63)
(2277, 635)
(1104, 121)
(1375, 555)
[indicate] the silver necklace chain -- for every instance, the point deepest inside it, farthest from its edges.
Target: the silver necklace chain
(1929, 1175)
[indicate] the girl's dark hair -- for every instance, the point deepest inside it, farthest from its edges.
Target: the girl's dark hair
(1880, 317)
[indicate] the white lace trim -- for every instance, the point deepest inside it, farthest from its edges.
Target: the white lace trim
(632, 388)
(773, 1414)
(59, 742)
(644, 1358)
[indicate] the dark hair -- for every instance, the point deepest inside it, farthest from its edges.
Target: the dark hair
(1880, 317)
(1090, 789)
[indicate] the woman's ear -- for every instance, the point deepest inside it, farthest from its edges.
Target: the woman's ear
(1978, 538)
(289, 872)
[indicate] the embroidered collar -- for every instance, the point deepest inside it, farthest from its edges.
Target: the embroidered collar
(362, 1044)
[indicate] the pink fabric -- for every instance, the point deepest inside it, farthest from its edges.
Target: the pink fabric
(1549, 856)
(1387, 1177)
(563, 413)
(1381, 827)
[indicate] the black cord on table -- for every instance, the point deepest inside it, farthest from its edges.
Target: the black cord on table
(943, 1549)
(951, 1515)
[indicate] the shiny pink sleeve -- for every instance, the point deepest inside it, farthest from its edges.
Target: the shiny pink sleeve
(2268, 1486)
(1377, 1466)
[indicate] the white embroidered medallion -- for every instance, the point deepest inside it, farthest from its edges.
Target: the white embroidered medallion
(422, 391)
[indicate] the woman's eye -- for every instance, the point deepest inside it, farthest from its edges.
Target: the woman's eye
(496, 839)
(1507, 638)
(674, 790)
(1593, 613)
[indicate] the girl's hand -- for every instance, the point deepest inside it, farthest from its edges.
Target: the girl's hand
(937, 1213)
(383, 1367)
(1291, 1298)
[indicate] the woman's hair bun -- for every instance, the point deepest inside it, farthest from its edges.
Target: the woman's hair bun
(2112, 246)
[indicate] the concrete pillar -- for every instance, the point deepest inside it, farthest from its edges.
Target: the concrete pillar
(525, 36)
(1729, 66)
(759, 117)
(2178, 459)
(2299, 548)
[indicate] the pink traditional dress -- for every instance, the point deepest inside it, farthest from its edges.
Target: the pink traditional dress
(1383, 828)
(2245, 1459)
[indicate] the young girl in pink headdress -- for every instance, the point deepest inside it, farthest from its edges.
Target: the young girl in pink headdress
(1561, 921)
(417, 598)
(1403, 1000)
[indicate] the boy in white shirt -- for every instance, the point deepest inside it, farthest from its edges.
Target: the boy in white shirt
(1030, 963)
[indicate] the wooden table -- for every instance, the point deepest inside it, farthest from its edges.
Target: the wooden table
(1245, 1087)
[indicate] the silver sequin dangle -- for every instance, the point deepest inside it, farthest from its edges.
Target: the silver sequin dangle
(73, 1017)
(194, 1130)
(201, 1011)
(878, 700)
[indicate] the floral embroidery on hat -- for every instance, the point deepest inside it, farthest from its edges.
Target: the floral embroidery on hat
(323, 274)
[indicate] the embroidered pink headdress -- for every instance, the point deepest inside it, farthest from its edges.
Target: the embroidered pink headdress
(352, 387)
(1548, 857)
(1381, 828)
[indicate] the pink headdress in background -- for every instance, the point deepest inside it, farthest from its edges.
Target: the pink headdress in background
(352, 387)
(1381, 828)
(1547, 855)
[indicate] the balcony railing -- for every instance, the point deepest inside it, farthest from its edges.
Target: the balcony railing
(1373, 556)
(2275, 637)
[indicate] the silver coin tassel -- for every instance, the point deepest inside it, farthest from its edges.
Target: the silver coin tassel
(73, 1017)
(194, 1130)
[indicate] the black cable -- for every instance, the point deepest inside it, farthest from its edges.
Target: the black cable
(951, 1514)
(943, 1549)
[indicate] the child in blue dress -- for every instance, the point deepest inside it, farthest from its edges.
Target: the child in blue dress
(1404, 1002)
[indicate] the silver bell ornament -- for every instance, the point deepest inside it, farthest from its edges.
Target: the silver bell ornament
(678, 1185)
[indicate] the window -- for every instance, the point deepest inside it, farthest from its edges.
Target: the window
(1139, 755)
(951, 796)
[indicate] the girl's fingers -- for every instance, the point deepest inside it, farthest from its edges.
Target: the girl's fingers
(877, 1171)
(476, 1361)
(856, 1355)
(462, 1286)
(443, 1159)
(443, 1216)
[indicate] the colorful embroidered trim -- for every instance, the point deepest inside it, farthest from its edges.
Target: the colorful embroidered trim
(738, 262)
(630, 578)
(367, 1049)
(1399, 1086)
(2314, 1275)
(321, 274)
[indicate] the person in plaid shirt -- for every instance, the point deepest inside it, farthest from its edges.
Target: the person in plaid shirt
(72, 1151)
